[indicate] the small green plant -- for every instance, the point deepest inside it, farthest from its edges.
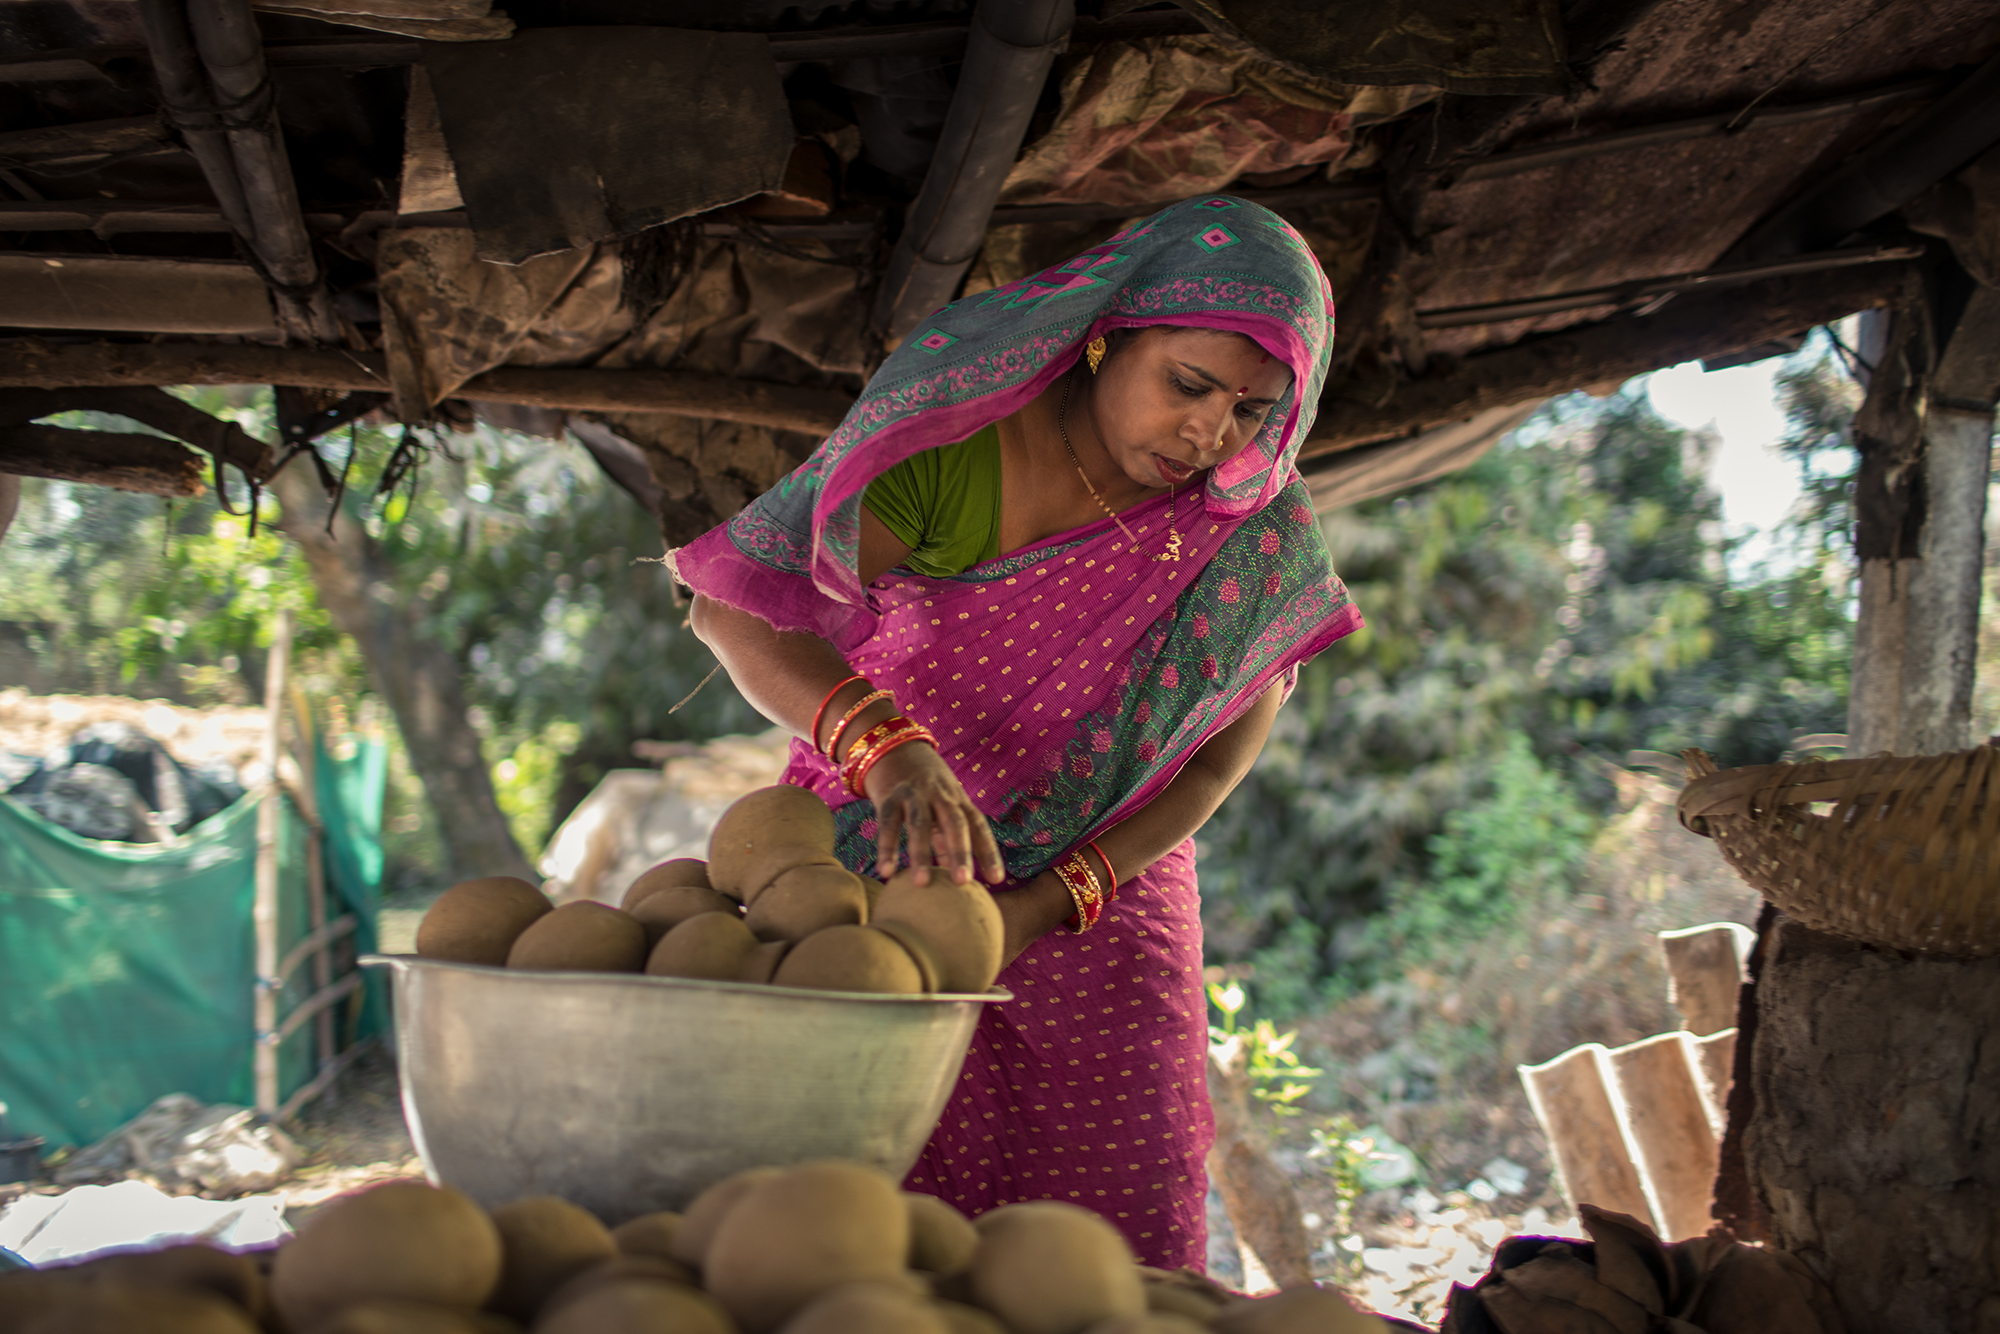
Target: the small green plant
(1344, 1150)
(1273, 1068)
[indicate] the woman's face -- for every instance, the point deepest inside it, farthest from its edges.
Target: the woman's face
(1170, 402)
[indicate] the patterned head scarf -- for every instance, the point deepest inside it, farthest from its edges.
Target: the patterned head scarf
(1216, 262)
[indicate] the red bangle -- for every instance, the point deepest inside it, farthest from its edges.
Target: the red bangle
(1084, 891)
(860, 706)
(1111, 894)
(876, 742)
(820, 713)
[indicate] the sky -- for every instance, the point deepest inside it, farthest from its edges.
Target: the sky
(1758, 485)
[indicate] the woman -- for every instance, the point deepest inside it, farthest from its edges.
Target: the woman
(1041, 595)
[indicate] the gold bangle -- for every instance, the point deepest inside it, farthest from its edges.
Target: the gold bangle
(833, 741)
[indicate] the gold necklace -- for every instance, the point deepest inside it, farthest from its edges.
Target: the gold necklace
(1173, 551)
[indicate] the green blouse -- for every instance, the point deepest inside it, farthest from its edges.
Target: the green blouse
(944, 504)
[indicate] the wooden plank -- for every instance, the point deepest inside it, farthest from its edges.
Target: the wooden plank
(1572, 1099)
(85, 142)
(491, 28)
(132, 295)
(114, 217)
(1686, 329)
(120, 460)
(426, 11)
(1666, 1118)
(1733, 121)
(681, 393)
(1705, 973)
(1641, 290)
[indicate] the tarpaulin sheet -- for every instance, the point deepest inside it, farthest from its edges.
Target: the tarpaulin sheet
(1146, 123)
(127, 970)
(563, 137)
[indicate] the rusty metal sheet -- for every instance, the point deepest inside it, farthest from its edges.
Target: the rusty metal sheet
(1676, 207)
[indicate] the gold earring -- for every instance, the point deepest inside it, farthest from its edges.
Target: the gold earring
(1093, 352)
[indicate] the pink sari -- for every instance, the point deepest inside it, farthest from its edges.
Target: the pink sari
(1089, 1088)
(1067, 684)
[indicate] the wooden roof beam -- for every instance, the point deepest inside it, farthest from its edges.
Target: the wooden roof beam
(225, 440)
(34, 364)
(1007, 61)
(128, 462)
(1694, 326)
(208, 56)
(85, 143)
(944, 41)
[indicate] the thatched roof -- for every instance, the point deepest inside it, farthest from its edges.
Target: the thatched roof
(688, 231)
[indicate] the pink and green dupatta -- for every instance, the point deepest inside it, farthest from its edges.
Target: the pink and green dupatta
(1069, 682)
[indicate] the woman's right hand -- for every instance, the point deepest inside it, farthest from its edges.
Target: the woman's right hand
(915, 792)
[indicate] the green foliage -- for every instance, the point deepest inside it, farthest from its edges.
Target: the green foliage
(1530, 621)
(1343, 1151)
(1524, 839)
(215, 595)
(1273, 1068)
(518, 555)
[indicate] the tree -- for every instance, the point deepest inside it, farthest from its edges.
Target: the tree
(416, 675)
(501, 599)
(1531, 621)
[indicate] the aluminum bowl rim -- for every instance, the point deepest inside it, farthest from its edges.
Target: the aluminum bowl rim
(995, 995)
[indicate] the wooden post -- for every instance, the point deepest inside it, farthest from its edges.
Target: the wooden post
(264, 914)
(1572, 1099)
(1866, 1125)
(1925, 438)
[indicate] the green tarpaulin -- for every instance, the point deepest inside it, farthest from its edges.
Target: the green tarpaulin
(127, 970)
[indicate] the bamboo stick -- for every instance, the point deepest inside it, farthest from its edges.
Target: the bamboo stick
(264, 913)
(322, 963)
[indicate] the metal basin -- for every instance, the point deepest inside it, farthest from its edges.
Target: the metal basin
(629, 1094)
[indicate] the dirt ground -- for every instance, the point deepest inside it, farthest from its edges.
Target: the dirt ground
(354, 1138)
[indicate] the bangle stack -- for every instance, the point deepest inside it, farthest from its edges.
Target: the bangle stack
(876, 742)
(872, 744)
(839, 728)
(819, 714)
(1090, 894)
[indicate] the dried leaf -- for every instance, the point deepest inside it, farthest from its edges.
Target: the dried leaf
(1515, 1312)
(1568, 1279)
(1630, 1258)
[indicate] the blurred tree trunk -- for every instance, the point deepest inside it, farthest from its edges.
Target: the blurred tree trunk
(1254, 1189)
(416, 675)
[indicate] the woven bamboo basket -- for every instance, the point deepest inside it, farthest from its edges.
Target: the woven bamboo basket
(1892, 850)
